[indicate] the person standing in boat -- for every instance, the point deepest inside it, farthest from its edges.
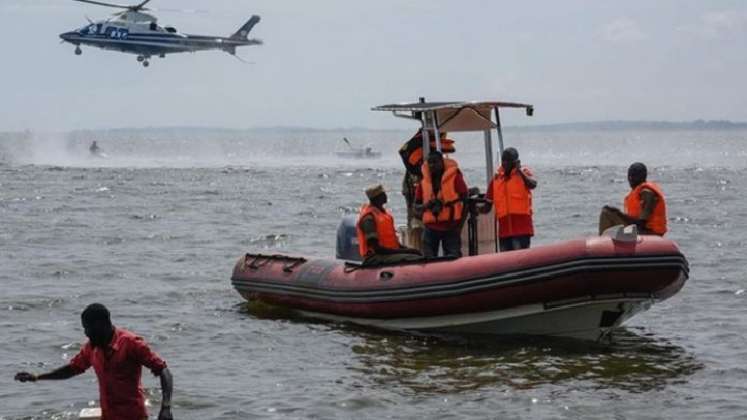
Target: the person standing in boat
(511, 193)
(411, 153)
(117, 356)
(377, 235)
(645, 205)
(440, 197)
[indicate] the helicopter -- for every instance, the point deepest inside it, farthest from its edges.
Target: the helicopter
(135, 32)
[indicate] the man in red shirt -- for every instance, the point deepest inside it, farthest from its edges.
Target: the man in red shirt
(511, 193)
(117, 356)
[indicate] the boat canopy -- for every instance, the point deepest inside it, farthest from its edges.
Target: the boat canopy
(455, 116)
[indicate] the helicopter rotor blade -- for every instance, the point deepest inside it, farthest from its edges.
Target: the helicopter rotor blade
(140, 6)
(100, 3)
(134, 8)
(192, 11)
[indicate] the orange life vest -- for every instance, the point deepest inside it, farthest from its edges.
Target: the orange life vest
(385, 231)
(416, 157)
(657, 222)
(452, 202)
(511, 196)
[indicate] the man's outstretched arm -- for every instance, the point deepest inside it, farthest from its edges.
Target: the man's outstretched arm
(64, 372)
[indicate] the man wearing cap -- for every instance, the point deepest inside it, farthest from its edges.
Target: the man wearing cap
(117, 357)
(377, 235)
(645, 205)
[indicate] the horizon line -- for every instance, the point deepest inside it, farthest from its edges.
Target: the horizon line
(600, 124)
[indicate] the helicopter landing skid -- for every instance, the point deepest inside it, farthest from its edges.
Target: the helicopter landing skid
(144, 60)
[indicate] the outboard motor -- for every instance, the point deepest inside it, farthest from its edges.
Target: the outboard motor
(347, 239)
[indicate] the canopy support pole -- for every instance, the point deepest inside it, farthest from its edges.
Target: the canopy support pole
(488, 155)
(424, 132)
(499, 129)
(434, 120)
(489, 172)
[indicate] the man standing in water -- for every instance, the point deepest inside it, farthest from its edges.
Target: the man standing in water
(94, 149)
(117, 356)
(645, 205)
(511, 192)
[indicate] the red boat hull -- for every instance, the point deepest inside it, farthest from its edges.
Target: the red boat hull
(651, 268)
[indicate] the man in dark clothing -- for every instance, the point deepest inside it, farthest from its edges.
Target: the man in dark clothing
(117, 356)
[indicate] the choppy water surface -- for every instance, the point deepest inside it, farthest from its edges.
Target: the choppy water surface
(154, 230)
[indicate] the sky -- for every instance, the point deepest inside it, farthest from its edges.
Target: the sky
(325, 63)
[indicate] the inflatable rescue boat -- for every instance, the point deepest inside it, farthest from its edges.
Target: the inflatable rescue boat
(581, 288)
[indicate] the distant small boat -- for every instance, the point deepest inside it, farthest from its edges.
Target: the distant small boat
(357, 152)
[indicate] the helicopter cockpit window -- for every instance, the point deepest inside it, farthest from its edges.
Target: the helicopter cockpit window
(170, 29)
(91, 29)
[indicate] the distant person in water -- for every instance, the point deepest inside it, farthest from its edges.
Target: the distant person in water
(645, 205)
(377, 236)
(511, 193)
(117, 356)
(94, 149)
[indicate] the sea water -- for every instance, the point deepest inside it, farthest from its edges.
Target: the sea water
(153, 232)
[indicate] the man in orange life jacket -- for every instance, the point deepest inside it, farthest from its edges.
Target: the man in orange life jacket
(377, 236)
(511, 193)
(412, 156)
(645, 205)
(440, 197)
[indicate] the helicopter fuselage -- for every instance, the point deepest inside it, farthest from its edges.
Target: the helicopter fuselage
(145, 38)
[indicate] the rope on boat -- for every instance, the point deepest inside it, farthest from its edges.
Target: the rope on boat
(260, 260)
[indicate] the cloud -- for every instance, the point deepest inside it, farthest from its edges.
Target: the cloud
(721, 24)
(623, 30)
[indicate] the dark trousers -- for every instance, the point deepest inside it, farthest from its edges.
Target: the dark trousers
(513, 243)
(450, 240)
